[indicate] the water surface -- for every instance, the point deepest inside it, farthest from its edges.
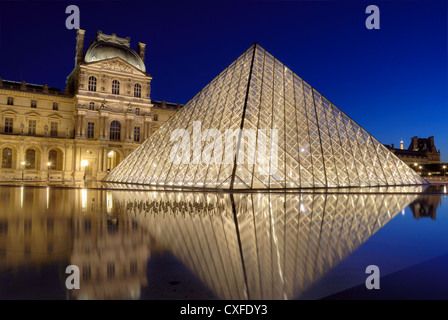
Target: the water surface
(142, 244)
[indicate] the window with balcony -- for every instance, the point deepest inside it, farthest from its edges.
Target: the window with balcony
(115, 87)
(9, 125)
(137, 90)
(92, 83)
(115, 131)
(90, 130)
(32, 127)
(54, 129)
(137, 134)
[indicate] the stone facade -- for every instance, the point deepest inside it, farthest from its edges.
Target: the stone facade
(83, 132)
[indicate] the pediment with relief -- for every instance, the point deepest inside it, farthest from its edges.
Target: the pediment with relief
(116, 64)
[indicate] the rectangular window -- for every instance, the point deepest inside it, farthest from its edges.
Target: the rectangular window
(54, 129)
(32, 127)
(10, 101)
(33, 104)
(137, 111)
(136, 134)
(8, 125)
(55, 106)
(156, 117)
(90, 130)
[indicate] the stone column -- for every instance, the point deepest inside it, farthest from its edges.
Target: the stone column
(83, 126)
(78, 125)
(104, 117)
(129, 136)
(147, 127)
(104, 159)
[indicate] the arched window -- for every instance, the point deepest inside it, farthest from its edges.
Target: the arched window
(7, 158)
(92, 106)
(115, 128)
(30, 159)
(137, 90)
(92, 83)
(52, 159)
(55, 158)
(115, 87)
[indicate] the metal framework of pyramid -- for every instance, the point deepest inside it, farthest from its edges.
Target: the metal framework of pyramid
(314, 144)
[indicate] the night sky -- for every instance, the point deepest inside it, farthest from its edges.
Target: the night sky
(392, 81)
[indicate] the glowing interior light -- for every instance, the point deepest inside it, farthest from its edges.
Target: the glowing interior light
(84, 199)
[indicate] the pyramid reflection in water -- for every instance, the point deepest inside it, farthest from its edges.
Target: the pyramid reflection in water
(278, 245)
(317, 144)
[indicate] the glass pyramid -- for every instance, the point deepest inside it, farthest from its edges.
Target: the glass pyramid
(286, 135)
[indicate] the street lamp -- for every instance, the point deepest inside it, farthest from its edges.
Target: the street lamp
(48, 171)
(23, 168)
(444, 171)
(421, 172)
(84, 164)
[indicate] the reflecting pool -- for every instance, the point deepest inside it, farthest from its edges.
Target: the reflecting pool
(147, 244)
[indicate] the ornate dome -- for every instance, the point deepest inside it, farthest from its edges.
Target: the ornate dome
(107, 50)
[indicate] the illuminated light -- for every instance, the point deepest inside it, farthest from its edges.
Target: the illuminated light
(402, 212)
(84, 163)
(84, 199)
(48, 195)
(111, 154)
(444, 189)
(21, 197)
(48, 164)
(22, 163)
(109, 202)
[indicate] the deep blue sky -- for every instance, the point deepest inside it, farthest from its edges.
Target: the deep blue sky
(392, 81)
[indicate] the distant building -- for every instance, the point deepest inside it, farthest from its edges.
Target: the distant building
(83, 132)
(420, 151)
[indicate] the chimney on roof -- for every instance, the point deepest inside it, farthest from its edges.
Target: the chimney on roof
(415, 143)
(141, 48)
(45, 88)
(393, 147)
(79, 46)
(23, 85)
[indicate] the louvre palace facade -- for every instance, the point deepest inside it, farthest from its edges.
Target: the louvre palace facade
(83, 132)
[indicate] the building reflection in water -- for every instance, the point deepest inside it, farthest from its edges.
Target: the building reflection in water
(426, 206)
(241, 246)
